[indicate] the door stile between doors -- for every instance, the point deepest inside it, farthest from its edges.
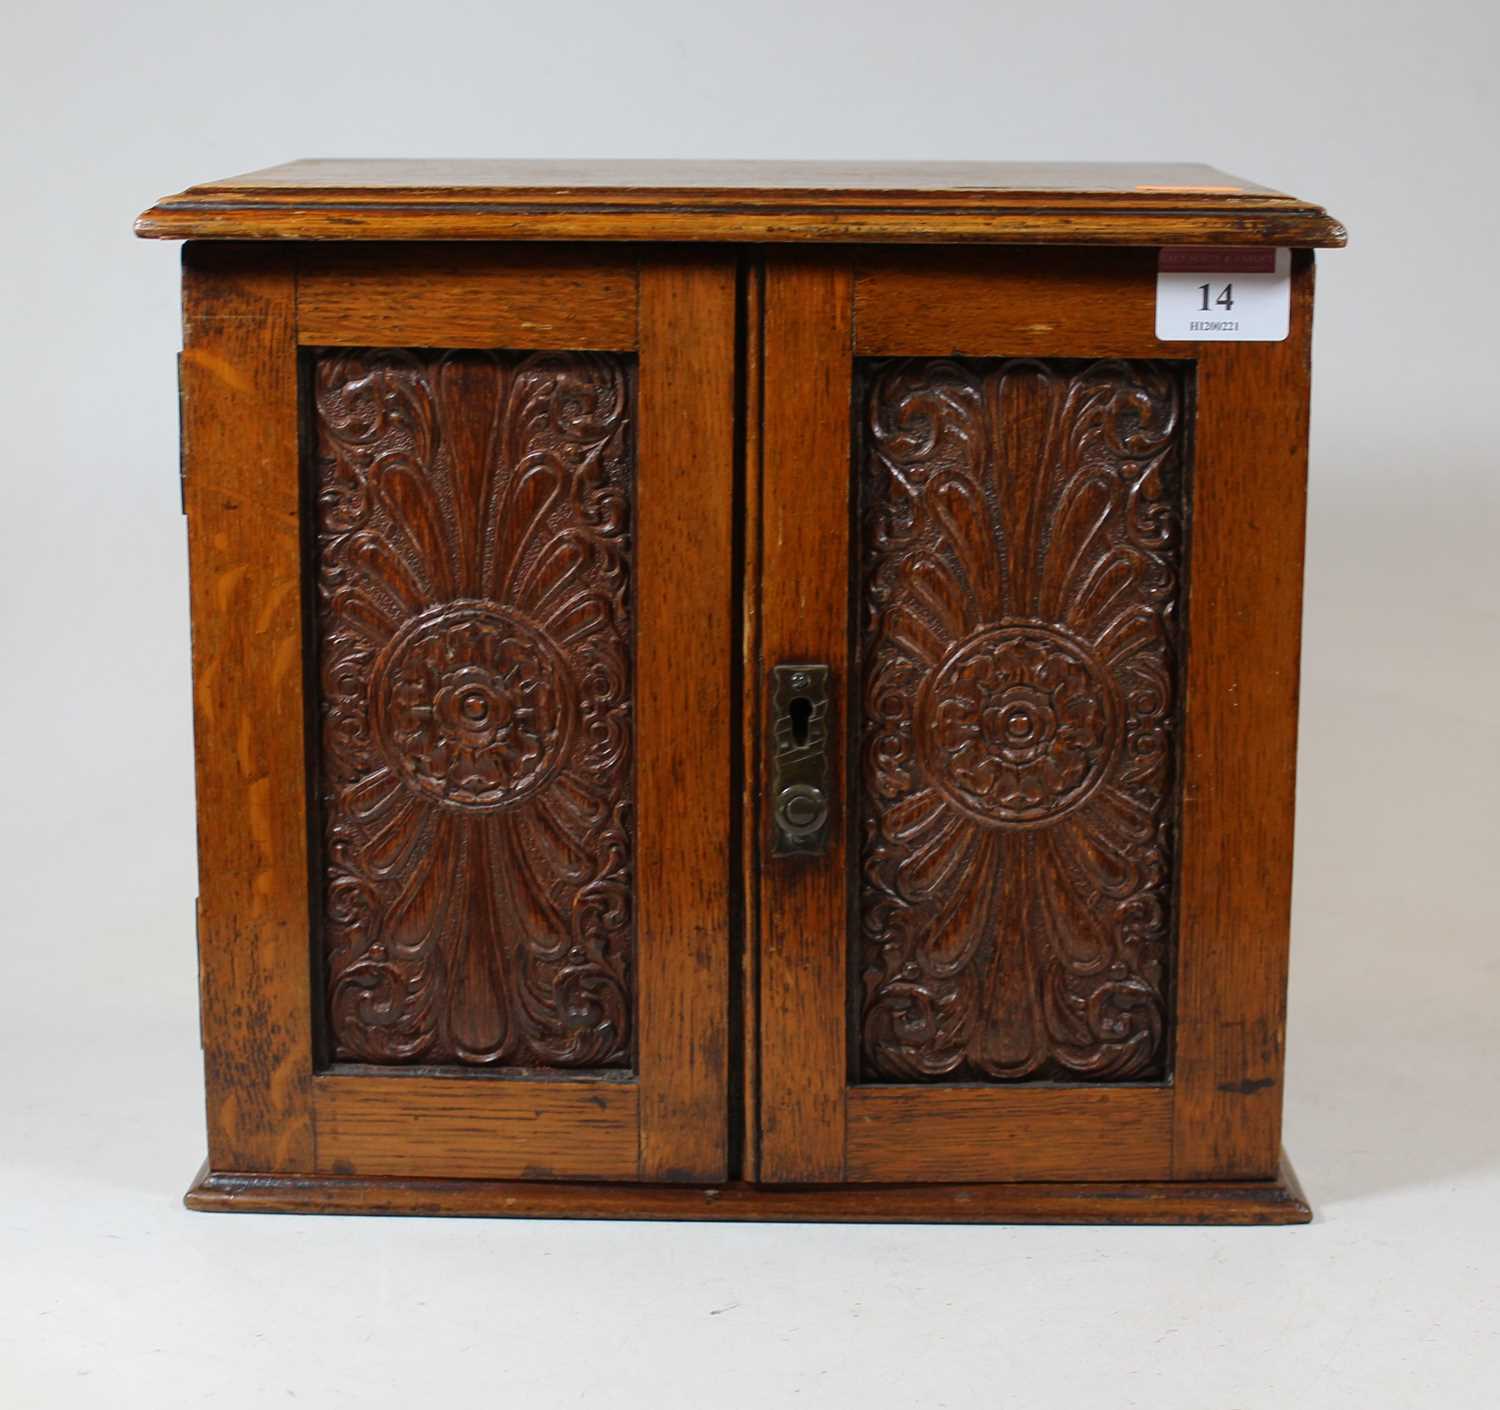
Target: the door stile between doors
(803, 911)
(1245, 464)
(684, 641)
(748, 577)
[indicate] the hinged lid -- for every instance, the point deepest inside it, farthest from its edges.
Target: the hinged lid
(1070, 203)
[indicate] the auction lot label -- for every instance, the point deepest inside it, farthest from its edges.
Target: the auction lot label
(1223, 294)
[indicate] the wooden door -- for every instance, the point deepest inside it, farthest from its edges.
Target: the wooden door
(460, 534)
(1053, 568)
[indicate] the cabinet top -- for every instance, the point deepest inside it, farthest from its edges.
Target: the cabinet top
(1067, 203)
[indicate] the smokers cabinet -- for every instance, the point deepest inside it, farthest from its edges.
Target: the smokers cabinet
(744, 690)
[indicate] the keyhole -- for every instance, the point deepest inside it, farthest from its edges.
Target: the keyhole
(800, 709)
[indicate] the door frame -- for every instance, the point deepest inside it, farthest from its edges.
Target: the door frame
(248, 309)
(1218, 1114)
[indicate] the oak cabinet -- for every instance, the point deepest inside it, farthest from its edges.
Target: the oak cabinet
(740, 691)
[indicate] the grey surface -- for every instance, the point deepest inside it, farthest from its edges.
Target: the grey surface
(111, 1294)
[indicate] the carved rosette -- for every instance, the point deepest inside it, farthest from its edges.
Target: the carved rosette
(473, 637)
(1021, 555)
(472, 705)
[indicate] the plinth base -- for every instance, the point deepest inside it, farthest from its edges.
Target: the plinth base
(1278, 1201)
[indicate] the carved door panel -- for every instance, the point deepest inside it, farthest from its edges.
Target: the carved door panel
(1016, 684)
(1012, 950)
(475, 771)
(515, 570)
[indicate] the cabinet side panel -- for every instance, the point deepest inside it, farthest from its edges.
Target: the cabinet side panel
(239, 414)
(1240, 755)
(474, 650)
(1022, 531)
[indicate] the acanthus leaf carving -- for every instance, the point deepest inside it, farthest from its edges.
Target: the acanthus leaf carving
(474, 657)
(1021, 549)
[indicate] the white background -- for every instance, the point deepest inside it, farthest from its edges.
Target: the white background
(112, 1295)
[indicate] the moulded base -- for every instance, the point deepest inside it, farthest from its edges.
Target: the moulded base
(1278, 1201)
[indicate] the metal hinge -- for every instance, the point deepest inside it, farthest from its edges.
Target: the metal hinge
(198, 956)
(181, 443)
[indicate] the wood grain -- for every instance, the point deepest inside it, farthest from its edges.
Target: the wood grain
(1034, 1133)
(1014, 203)
(804, 617)
(684, 640)
(460, 297)
(751, 673)
(1008, 303)
(1240, 747)
(1216, 1202)
(240, 439)
(478, 1127)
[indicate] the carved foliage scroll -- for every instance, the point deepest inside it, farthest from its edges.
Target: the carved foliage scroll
(474, 653)
(1021, 540)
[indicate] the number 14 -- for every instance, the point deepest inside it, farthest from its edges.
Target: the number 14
(1225, 299)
